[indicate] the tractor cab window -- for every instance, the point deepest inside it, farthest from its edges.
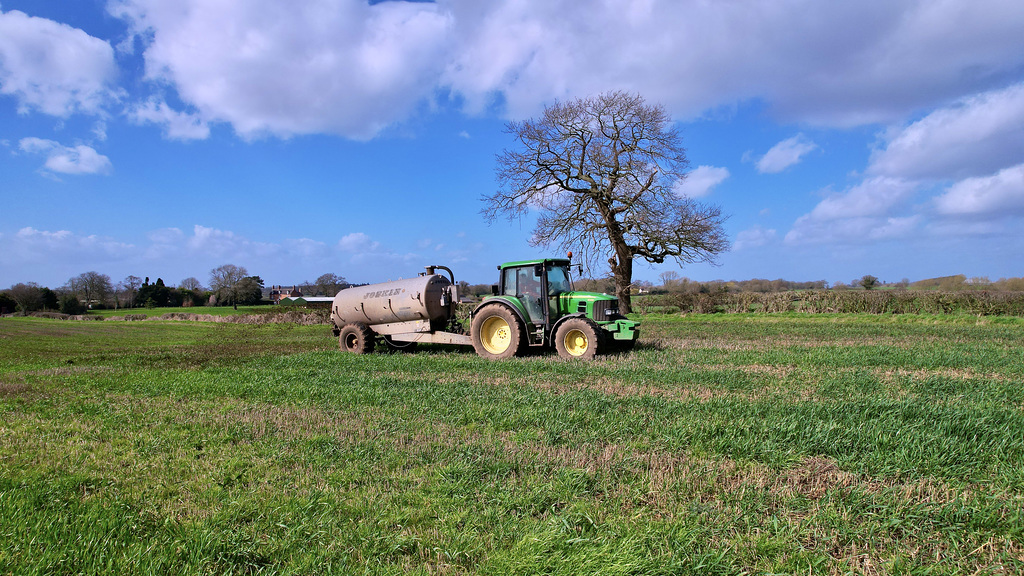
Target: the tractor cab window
(558, 280)
(524, 283)
(508, 282)
(521, 281)
(529, 282)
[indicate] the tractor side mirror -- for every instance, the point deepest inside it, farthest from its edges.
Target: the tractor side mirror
(494, 289)
(538, 270)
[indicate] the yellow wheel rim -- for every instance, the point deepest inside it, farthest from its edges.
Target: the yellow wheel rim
(576, 342)
(495, 335)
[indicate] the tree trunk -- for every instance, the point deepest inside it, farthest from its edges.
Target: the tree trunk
(622, 270)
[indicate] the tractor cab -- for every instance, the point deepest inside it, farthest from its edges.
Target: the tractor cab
(537, 286)
(540, 293)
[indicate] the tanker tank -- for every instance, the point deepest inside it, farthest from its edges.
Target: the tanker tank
(428, 297)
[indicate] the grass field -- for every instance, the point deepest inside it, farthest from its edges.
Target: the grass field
(723, 444)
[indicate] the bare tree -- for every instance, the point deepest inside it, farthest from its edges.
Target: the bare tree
(29, 297)
(602, 172)
(91, 287)
(329, 284)
(669, 279)
(225, 280)
(120, 291)
(191, 283)
(130, 285)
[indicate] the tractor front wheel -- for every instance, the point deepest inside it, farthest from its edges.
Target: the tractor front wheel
(578, 338)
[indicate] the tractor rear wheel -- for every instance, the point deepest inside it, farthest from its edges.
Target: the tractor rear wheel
(356, 337)
(578, 338)
(496, 333)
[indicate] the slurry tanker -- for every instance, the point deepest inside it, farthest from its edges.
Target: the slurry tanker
(533, 305)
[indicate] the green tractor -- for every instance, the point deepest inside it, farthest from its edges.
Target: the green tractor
(534, 305)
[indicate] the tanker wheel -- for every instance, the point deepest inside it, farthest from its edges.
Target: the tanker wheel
(399, 346)
(356, 338)
(496, 333)
(578, 338)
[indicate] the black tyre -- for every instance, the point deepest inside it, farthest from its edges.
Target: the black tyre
(578, 338)
(356, 338)
(496, 333)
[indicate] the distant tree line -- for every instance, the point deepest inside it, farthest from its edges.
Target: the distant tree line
(961, 283)
(230, 285)
(673, 283)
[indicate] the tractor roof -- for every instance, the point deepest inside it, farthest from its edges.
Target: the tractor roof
(550, 261)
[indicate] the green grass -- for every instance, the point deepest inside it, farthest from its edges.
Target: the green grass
(724, 444)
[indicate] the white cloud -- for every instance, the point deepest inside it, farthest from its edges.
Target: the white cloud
(895, 227)
(960, 228)
(306, 248)
(166, 236)
(214, 244)
(977, 136)
(864, 212)
(701, 181)
(177, 125)
(221, 243)
(344, 67)
(873, 197)
(51, 257)
(99, 130)
(858, 230)
(785, 154)
(53, 67)
(830, 63)
(30, 246)
(997, 195)
(357, 242)
(753, 238)
(78, 159)
(350, 68)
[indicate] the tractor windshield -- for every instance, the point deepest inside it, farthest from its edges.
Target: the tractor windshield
(558, 280)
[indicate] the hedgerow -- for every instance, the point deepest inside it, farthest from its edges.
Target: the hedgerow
(982, 303)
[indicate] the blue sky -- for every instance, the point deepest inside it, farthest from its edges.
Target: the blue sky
(163, 139)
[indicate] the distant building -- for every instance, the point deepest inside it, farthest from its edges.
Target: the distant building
(277, 293)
